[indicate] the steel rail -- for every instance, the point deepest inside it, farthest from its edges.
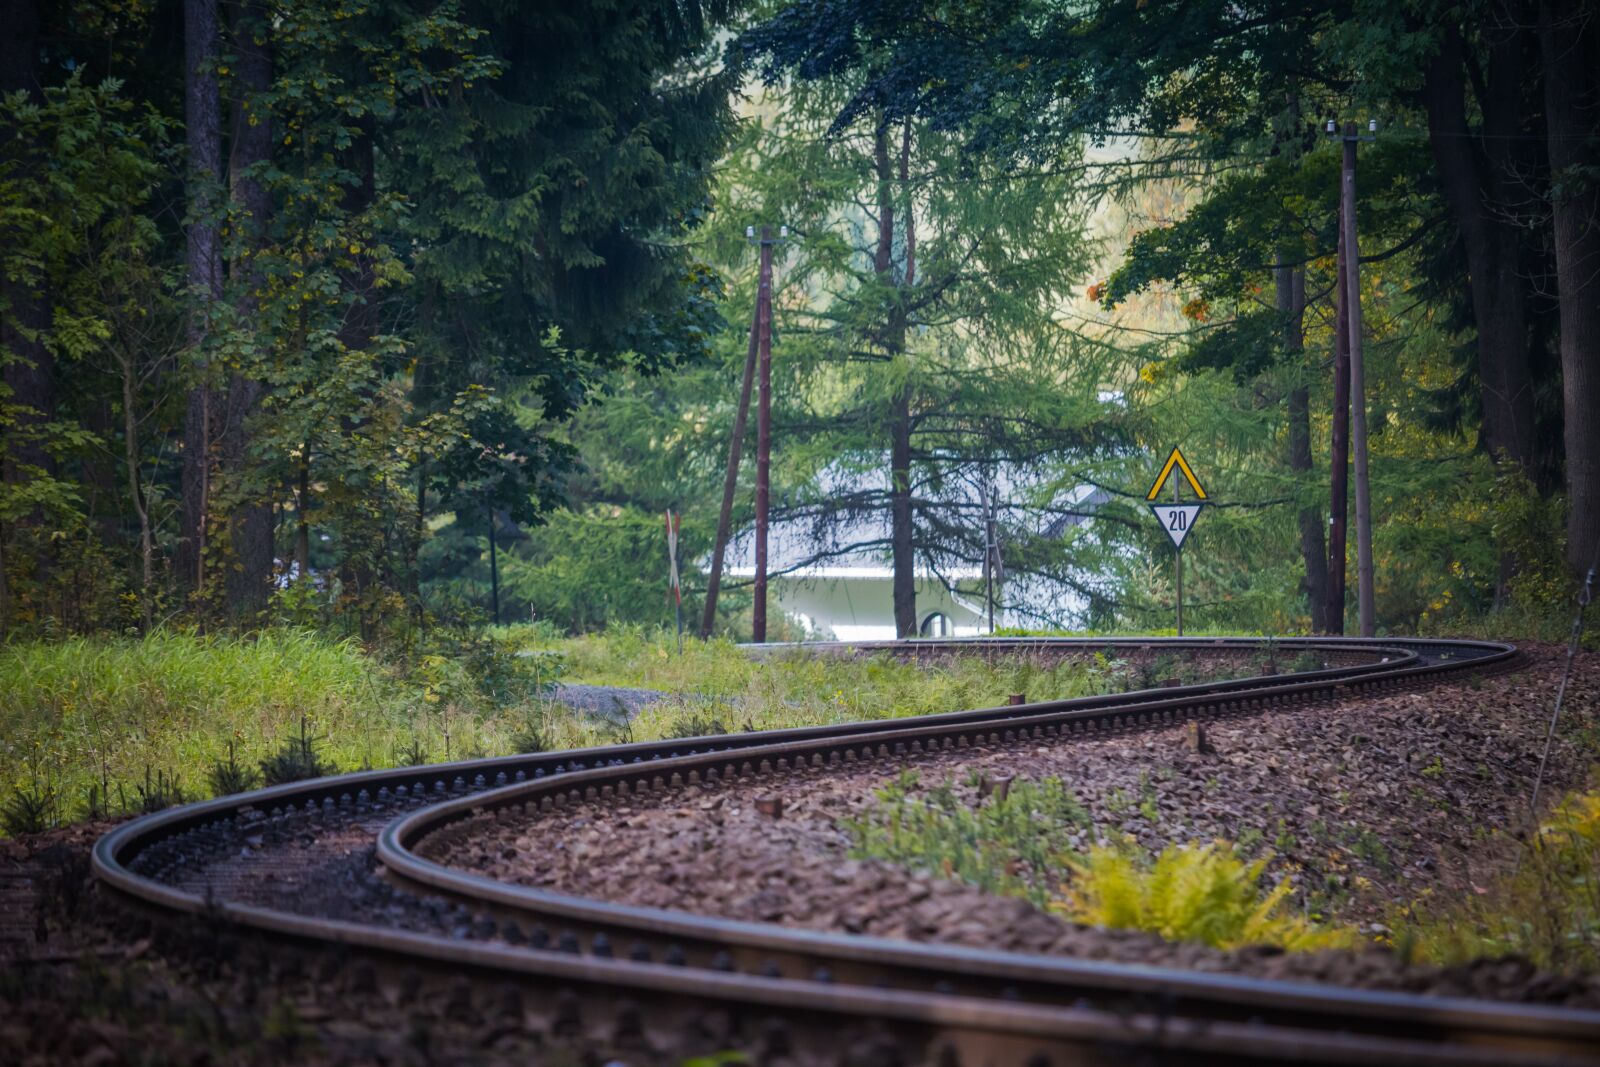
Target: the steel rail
(702, 953)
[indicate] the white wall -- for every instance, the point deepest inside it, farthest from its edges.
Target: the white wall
(862, 608)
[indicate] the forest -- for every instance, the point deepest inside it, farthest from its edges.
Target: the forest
(756, 531)
(381, 316)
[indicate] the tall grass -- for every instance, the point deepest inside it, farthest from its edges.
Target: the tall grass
(106, 713)
(85, 722)
(794, 687)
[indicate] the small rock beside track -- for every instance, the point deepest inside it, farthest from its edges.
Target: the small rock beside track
(608, 701)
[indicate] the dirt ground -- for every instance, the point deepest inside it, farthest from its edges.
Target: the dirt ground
(1425, 776)
(1365, 805)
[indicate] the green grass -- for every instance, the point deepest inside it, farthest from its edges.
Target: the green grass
(108, 713)
(717, 681)
(1016, 846)
(96, 725)
(1037, 841)
(1543, 906)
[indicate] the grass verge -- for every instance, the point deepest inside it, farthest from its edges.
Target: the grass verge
(1544, 907)
(95, 726)
(1033, 839)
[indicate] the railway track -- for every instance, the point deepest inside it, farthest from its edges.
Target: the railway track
(344, 862)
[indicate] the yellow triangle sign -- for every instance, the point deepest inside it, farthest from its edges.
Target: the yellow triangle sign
(1176, 460)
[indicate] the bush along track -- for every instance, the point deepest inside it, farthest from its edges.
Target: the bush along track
(936, 1001)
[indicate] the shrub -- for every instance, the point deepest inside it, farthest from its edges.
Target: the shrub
(1545, 906)
(296, 761)
(1189, 892)
(529, 738)
(413, 755)
(158, 792)
(697, 724)
(231, 777)
(28, 811)
(1015, 844)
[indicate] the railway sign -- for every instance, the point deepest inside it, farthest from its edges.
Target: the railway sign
(1177, 520)
(1177, 461)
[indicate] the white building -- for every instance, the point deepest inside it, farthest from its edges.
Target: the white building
(829, 564)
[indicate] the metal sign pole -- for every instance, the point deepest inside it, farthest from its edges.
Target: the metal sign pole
(1176, 499)
(1177, 518)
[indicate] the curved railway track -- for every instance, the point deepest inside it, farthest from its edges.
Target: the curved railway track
(343, 862)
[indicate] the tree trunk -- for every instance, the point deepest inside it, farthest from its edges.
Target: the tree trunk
(1476, 177)
(902, 540)
(26, 365)
(203, 124)
(250, 580)
(136, 493)
(1570, 43)
(302, 516)
(1291, 294)
(901, 519)
(356, 333)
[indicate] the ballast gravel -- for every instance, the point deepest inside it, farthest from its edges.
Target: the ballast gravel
(1365, 804)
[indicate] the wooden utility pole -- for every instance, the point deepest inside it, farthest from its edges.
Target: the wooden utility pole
(763, 431)
(1358, 385)
(730, 483)
(1339, 453)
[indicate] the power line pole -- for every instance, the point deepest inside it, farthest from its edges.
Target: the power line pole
(730, 483)
(1339, 452)
(763, 427)
(1351, 273)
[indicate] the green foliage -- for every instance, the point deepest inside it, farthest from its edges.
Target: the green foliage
(158, 791)
(116, 719)
(1016, 844)
(702, 724)
(103, 711)
(529, 737)
(230, 777)
(78, 172)
(1190, 892)
(1544, 906)
(413, 755)
(30, 810)
(295, 761)
(1035, 835)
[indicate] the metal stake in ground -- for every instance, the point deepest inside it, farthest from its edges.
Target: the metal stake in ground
(1585, 595)
(1177, 518)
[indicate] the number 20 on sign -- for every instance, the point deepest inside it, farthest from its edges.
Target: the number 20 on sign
(1177, 518)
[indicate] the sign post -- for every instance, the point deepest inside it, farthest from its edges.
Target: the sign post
(1177, 518)
(674, 581)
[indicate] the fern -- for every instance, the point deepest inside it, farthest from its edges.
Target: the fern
(1189, 892)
